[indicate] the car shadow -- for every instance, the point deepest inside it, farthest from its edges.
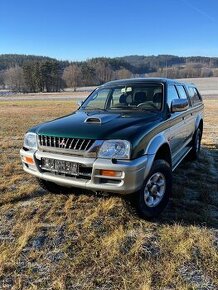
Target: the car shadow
(25, 197)
(195, 191)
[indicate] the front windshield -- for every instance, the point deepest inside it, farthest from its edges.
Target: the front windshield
(130, 97)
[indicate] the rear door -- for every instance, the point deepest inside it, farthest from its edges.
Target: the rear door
(176, 131)
(188, 117)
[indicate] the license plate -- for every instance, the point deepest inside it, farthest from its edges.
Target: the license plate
(60, 166)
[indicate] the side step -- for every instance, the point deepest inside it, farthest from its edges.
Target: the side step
(184, 152)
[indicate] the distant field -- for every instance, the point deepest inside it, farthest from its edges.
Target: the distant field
(85, 242)
(66, 95)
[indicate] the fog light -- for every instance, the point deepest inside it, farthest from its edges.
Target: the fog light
(28, 160)
(112, 173)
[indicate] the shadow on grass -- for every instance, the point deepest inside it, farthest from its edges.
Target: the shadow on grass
(24, 197)
(195, 191)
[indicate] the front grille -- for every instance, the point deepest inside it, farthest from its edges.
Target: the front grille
(65, 143)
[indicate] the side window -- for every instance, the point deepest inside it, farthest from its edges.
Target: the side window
(191, 94)
(197, 96)
(181, 92)
(115, 100)
(98, 99)
(171, 94)
(194, 95)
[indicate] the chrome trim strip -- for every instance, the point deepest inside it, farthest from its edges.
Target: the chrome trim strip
(181, 159)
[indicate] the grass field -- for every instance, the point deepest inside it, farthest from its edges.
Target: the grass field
(82, 241)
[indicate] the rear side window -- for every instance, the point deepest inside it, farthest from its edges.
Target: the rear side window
(194, 96)
(182, 92)
(171, 94)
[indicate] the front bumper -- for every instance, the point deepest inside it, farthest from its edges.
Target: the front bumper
(133, 172)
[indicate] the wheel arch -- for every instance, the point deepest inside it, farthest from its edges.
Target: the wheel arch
(160, 148)
(164, 153)
(199, 123)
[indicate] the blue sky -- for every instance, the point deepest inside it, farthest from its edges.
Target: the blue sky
(77, 30)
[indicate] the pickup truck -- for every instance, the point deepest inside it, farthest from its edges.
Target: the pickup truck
(126, 137)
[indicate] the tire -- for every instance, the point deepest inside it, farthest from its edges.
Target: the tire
(52, 187)
(154, 195)
(196, 145)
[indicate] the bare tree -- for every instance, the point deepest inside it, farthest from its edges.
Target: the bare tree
(206, 72)
(72, 75)
(215, 72)
(14, 79)
(2, 80)
(103, 70)
(123, 74)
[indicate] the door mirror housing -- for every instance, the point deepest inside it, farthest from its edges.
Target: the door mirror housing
(179, 105)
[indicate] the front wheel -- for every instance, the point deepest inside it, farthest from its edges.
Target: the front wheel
(154, 195)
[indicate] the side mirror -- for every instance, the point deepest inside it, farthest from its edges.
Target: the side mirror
(179, 105)
(79, 103)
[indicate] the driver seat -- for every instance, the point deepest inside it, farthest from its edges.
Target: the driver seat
(140, 97)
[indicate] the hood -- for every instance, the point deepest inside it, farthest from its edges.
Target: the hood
(99, 125)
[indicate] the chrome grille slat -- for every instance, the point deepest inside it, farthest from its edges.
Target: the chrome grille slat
(75, 144)
(71, 144)
(80, 148)
(87, 145)
(66, 143)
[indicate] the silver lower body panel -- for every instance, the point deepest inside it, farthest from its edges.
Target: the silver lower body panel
(132, 172)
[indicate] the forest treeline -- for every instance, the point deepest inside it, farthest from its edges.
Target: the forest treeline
(29, 73)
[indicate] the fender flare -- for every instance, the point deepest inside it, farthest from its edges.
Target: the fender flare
(155, 143)
(198, 120)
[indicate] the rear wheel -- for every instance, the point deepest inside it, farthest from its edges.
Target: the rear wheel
(196, 147)
(154, 195)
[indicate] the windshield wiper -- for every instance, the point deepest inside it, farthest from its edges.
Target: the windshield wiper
(149, 110)
(98, 109)
(119, 108)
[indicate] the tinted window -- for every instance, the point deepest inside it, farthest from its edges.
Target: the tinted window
(194, 95)
(171, 95)
(181, 92)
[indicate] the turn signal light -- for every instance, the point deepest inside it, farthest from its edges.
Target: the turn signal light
(28, 160)
(112, 173)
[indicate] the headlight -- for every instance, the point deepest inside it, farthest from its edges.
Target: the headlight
(30, 141)
(119, 149)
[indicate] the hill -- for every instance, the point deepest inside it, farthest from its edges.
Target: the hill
(29, 73)
(137, 64)
(152, 63)
(11, 60)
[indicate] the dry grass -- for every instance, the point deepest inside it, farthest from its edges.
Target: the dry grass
(81, 241)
